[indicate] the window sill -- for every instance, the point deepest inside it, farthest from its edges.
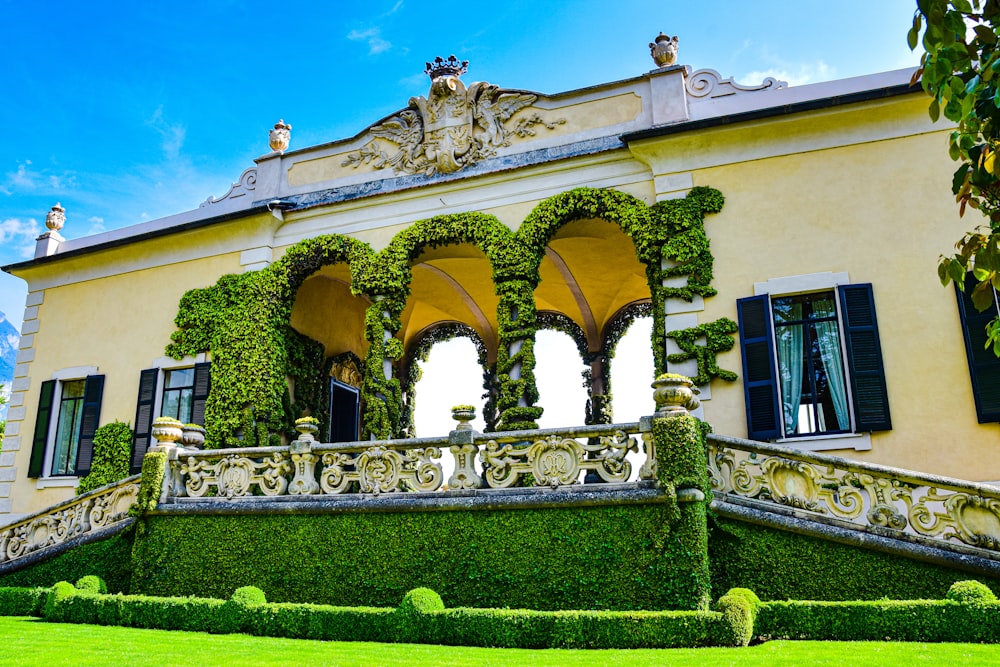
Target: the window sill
(57, 482)
(861, 442)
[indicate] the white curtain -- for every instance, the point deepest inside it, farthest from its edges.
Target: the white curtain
(829, 349)
(790, 358)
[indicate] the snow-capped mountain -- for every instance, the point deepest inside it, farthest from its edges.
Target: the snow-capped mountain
(9, 337)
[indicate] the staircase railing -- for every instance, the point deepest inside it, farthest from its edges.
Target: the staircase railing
(86, 517)
(888, 502)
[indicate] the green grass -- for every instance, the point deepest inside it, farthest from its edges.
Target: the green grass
(28, 642)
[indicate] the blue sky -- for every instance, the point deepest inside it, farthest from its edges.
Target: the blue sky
(129, 111)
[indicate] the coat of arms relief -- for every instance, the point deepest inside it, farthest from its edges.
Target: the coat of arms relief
(453, 127)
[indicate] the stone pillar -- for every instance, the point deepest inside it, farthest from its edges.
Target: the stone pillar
(678, 443)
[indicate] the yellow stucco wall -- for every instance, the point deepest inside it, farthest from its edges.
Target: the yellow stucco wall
(119, 324)
(838, 210)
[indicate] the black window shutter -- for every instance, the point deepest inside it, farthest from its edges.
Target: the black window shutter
(760, 386)
(144, 406)
(41, 438)
(202, 386)
(92, 392)
(864, 358)
(984, 365)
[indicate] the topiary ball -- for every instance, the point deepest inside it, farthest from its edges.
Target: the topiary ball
(248, 596)
(970, 592)
(421, 600)
(92, 584)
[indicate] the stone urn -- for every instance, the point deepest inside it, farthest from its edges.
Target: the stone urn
(664, 50)
(306, 426)
(463, 414)
(674, 394)
(193, 436)
(56, 218)
(280, 136)
(167, 431)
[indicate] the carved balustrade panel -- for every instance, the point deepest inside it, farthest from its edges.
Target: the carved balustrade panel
(92, 511)
(864, 495)
(558, 460)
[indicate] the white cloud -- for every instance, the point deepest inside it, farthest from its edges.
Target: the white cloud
(96, 225)
(172, 135)
(795, 75)
(374, 39)
(20, 234)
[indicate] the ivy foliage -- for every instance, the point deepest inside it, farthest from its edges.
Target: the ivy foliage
(243, 320)
(960, 71)
(112, 452)
(718, 338)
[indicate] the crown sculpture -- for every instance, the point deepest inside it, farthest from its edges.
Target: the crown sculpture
(664, 50)
(280, 136)
(453, 127)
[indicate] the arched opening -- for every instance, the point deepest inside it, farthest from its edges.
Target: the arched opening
(325, 311)
(632, 372)
(451, 294)
(559, 372)
(590, 275)
(450, 376)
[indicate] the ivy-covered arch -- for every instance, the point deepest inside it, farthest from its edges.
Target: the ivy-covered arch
(243, 320)
(508, 261)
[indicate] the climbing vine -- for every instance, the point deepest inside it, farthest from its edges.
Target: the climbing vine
(718, 338)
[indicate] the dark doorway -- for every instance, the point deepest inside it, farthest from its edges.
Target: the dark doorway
(344, 413)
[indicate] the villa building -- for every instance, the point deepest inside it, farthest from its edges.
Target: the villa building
(784, 239)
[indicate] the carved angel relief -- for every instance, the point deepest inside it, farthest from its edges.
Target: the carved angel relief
(453, 127)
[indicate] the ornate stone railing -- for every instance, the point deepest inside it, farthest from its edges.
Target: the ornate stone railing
(552, 457)
(88, 516)
(886, 501)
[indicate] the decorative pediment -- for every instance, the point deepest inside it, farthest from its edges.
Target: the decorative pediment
(453, 127)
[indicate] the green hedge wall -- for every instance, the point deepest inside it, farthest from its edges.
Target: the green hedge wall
(881, 620)
(110, 559)
(780, 565)
(22, 601)
(564, 558)
(420, 618)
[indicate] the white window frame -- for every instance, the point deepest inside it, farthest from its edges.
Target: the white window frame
(804, 284)
(47, 480)
(164, 364)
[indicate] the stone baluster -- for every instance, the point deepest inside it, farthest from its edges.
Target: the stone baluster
(464, 450)
(303, 460)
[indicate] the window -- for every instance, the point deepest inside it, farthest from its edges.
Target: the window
(68, 414)
(183, 396)
(178, 394)
(812, 363)
(984, 366)
(67, 441)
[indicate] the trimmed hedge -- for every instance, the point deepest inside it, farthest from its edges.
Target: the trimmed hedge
(613, 557)
(780, 565)
(881, 620)
(23, 601)
(420, 619)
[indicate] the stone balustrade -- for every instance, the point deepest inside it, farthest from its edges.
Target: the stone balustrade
(875, 499)
(88, 516)
(546, 457)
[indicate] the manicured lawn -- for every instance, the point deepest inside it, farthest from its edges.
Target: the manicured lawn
(27, 642)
